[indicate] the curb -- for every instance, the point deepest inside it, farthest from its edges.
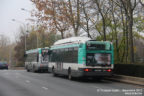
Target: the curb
(127, 79)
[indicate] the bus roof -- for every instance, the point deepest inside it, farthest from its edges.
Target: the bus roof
(32, 51)
(35, 50)
(72, 40)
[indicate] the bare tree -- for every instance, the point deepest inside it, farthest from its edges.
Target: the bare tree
(103, 9)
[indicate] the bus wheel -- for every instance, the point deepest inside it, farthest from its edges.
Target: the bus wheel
(54, 74)
(69, 74)
(28, 70)
(33, 69)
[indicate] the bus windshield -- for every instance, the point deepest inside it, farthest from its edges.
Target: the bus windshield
(94, 59)
(45, 55)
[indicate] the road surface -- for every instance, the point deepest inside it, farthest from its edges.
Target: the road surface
(22, 83)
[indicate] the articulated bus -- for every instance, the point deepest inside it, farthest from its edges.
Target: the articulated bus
(81, 57)
(37, 60)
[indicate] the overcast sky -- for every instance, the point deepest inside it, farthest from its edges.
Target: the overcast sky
(11, 9)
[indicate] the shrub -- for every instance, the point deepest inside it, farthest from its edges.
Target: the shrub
(130, 69)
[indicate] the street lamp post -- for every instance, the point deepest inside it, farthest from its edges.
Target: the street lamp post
(24, 33)
(37, 40)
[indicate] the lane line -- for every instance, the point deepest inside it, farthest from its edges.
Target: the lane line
(45, 88)
(27, 81)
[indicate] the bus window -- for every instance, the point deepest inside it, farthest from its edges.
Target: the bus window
(94, 59)
(45, 55)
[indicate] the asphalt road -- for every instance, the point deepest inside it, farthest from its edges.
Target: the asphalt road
(22, 83)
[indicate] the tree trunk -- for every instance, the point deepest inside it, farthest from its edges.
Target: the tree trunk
(130, 25)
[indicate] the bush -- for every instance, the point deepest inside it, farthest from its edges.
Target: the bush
(130, 69)
(20, 64)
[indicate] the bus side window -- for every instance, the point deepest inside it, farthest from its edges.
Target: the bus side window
(75, 48)
(27, 58)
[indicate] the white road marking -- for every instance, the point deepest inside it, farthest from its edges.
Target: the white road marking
(27, 81)
(45, 88)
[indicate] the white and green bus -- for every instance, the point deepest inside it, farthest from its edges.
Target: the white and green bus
(37, 60)
(81, 56)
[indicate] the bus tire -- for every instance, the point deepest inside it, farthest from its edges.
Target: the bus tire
(69, 74)
(33, 69)
(28, 70)
(54, 74)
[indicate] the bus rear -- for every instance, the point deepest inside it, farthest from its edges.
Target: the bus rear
(98, 58)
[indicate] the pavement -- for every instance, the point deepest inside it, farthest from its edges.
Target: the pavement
(16, 68)
(22, 83)
(115, 77)
(127, 79)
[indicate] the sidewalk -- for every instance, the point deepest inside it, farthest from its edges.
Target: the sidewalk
(127, 79)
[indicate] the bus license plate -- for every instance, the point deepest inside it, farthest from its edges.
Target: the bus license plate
(97, 70)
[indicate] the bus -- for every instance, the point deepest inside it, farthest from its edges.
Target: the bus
(81, 57)
(37, 60)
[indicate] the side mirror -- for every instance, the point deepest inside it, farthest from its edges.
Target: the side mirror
(25, 55)
(49, 52)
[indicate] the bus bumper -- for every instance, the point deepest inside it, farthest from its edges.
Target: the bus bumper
(42, 68)
(99, 73)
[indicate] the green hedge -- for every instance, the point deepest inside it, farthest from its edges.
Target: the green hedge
(129, 69)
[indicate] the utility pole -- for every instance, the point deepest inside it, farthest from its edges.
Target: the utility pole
(25, 33)
(37, 41)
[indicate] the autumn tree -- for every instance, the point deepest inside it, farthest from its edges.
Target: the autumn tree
(4, 48)
(118, 21)
(51, 12)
